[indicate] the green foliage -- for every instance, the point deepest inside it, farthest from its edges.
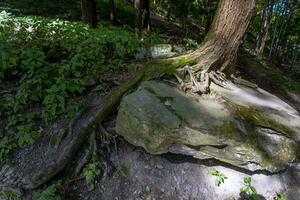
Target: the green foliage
(62, 8)
(58, 59)
(45, 63)
(220, 177)
(152, 38)
(90, 172)
(49, 193)
(283, 30)
(25, 133)
(280, 196)
(249, 189)
(9, 195)
(190, 43)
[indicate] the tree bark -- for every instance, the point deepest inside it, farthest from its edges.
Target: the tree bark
(142, 19)
(89, 12)
(219, 49)
(112, 12)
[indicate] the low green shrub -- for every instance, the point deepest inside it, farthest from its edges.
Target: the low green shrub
(219, 176)
(249, 189)
(9, 195)
(90, 172)
(49, 193)
(280, 196)
(45, 63)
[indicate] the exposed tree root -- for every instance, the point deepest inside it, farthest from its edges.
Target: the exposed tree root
(86, 158)
(104, 135)
(106, 139)
(90, 154)
(199, 82)
(244, 82)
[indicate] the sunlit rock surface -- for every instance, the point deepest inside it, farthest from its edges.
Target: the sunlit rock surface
(245, 127)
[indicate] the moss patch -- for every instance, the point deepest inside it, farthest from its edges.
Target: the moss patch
(255, 118)
(165, 66)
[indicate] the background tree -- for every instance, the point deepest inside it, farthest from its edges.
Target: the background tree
(89, 12)
(112, 12)
(264, 28)
(142, 18)
(281, 10)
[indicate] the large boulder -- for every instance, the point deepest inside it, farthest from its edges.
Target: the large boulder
(240, 126)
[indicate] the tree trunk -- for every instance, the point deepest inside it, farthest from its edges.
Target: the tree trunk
(280, 10)
(264, 29)
(89, 12)
(294, 59)
(142, 19)
(112, 12)
(283, 27)
(284, 39)
(169, 9)
(219, 48)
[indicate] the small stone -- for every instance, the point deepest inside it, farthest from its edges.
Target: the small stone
(168, 103)
(159, 167)
(147, 167)
(147, 189)
(161, 50)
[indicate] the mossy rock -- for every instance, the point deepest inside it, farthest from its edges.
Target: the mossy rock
(238, 131)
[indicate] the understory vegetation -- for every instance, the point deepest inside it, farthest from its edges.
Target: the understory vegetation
(47, 63)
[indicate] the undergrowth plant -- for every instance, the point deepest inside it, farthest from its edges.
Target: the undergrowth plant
(9, 195)
(190, 43)
(90, 172)
(49, 193)
(219, 176)
(46, 63)
(280, 196)
(249, 189)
